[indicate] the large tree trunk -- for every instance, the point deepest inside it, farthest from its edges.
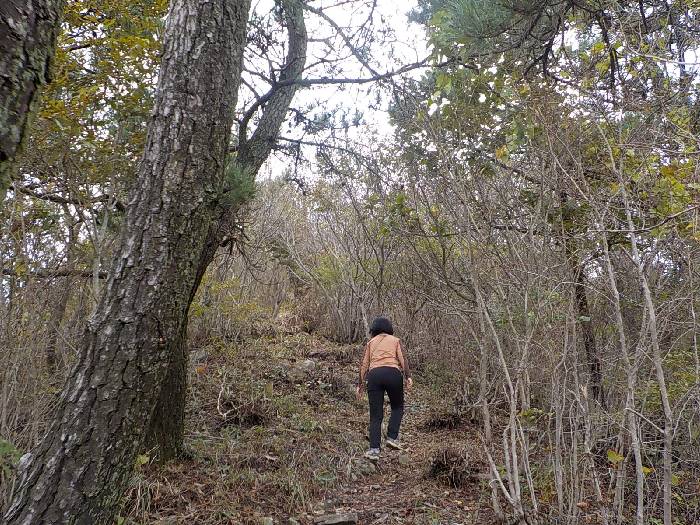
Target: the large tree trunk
(78, 472)
(166, 432)
(252, 153)
(28, 32)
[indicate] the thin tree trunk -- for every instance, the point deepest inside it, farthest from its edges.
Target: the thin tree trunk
(584, 320)
(480, 340)
(654, 336)
(660, 376)
(559, 404)
(631, 373)
(28, 31)
(78, 472)
(58, 309)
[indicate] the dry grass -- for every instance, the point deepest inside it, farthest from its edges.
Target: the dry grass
(271, 435)
(268, 441)
(444, 420)
(264, 441)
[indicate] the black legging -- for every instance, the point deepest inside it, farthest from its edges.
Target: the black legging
(379, 380)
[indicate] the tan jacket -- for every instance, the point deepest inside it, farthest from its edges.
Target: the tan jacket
(383, 350)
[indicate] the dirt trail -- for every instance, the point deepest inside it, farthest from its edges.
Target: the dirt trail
(276, 436)
(399, 490)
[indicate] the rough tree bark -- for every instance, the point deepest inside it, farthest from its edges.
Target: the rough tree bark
(167, 426)
(78, 472)
(28, 31)
(166, 431)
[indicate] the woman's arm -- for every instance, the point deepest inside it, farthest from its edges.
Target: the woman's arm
(404, 364)
(364, 366)
(403, 361)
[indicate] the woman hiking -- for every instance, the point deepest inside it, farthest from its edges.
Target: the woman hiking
(383, 369)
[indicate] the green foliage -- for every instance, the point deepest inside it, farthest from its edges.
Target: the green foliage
(93, 113)
(614, 457)
(239, 186)
(330, 270)
(90, 128)
(533, 414)
(669, 190)
(471, 23)
(9, 456)
(681, 379)
(141, 460)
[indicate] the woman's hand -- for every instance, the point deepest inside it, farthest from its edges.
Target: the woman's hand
(409, 383)
(358, 392)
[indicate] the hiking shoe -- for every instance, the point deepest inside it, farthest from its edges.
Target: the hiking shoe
(393, 443)
(372, 454)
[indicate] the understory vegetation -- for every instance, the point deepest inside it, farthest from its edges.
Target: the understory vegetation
(530, 222)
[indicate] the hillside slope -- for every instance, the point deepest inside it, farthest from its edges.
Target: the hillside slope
(275, 435)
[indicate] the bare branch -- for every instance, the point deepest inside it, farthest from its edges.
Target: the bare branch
(69, 200)
(51, 274)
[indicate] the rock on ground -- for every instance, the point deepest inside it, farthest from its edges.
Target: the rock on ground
(336, 519)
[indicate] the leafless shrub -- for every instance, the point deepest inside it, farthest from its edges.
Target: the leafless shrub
(452, 467)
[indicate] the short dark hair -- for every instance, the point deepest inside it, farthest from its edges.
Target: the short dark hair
(381, 325)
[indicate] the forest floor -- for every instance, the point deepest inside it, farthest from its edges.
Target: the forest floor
(275, 436)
